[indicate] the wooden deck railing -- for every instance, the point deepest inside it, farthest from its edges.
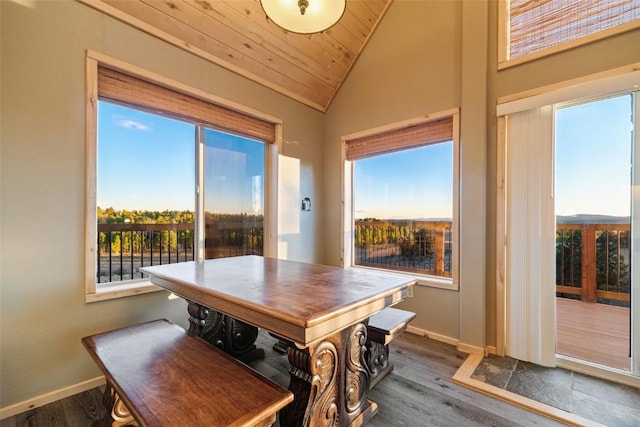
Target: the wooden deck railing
(416, 246)
(593, 261)
(124, 247)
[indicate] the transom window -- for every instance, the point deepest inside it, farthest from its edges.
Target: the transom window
(530, 29)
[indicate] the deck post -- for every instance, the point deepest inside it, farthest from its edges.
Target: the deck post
(588, 262)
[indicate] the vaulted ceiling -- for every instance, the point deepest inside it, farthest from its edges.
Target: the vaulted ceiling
(237, 35)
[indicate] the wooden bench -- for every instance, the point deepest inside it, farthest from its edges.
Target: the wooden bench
(157, 375)
(383, 327)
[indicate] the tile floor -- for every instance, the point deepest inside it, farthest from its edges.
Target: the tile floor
(608, 403)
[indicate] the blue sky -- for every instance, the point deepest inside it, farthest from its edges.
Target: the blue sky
(144, 162)
(593, 158)
(234, 174)
(147, 162)
(409, 184)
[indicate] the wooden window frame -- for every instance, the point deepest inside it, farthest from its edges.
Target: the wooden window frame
(403, 128)
(203, 99)
(504, 61)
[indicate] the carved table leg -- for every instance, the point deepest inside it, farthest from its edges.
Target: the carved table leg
(329, 381)
(377, 362)
(230, 335)
(117, 413)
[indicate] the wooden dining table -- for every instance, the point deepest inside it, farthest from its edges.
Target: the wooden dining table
(321, 312)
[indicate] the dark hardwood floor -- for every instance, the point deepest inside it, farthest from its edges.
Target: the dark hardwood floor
(419, 392)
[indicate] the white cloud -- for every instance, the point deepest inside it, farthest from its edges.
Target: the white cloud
(132, 124)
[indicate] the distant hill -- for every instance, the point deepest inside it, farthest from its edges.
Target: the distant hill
(403, 220)
(560, 219)
(590, 219)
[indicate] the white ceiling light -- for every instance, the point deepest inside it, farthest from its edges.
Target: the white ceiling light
(304, 16)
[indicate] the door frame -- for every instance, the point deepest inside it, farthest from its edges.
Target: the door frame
(619, 80)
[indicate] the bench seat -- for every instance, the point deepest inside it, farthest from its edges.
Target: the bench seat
(387, 324)
(383, 327)
(157, 375)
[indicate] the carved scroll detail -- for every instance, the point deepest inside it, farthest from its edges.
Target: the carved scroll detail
(324, 365)
(231, 335)
(377, 357)
(239, 336)
(314, 383)
(205, 323)
(357, 374)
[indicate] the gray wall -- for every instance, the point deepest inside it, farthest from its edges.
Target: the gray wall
(413, 65)
(43, 313)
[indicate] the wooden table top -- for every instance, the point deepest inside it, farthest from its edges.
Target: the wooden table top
(298, 301)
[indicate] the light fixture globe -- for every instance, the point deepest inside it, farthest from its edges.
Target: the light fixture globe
(304, 16)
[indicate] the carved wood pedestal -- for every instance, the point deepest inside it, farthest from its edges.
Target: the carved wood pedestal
(228, 334)
(329, 381)
(377, 361)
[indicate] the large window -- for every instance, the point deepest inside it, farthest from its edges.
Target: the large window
(530, 29)
(403, 208)
(173, 175)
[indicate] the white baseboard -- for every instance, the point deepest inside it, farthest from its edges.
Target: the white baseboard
(432, 335)
(471, 349)
(52, 396)
(465, 348)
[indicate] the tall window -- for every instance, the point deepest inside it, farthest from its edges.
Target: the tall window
(403, 214)
(172, 177)
(530, 29)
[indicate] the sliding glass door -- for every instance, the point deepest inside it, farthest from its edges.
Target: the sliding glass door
(233, 181)
(596, 211)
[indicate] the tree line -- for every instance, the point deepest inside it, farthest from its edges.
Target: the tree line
(412, 238)
(113, 216)
(130, 239)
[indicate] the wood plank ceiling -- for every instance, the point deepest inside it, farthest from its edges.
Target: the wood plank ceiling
(237, 35)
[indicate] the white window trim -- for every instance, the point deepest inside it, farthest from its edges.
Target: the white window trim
(135, 287)
(626, 78)
(503, 40)
(346, 241)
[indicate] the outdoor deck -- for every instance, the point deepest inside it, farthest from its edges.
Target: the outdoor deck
(593, 332)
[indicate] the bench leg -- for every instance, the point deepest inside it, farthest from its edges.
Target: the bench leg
(329, 382)
(228, 334)
(377, 362)
(117, 413)
(281, 347)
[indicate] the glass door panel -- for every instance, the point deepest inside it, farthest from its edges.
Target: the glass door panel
(593, 143)
(234, 176)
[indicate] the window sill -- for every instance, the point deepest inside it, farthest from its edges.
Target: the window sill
(122, 290)
(422, 280)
